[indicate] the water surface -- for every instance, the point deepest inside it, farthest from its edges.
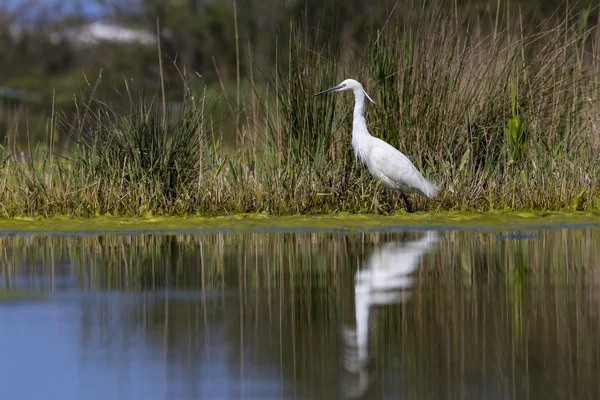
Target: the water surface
(305, 315)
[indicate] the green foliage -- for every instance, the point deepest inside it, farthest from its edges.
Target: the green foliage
(516, 137)
(142, 150)
(516, 134)
(502, 122)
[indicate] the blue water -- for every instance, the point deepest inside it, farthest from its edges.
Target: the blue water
(84, 348)
(302, 315)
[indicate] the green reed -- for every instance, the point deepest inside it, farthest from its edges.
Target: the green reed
(503, 118)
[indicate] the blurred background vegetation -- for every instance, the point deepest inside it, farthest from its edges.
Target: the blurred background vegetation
(208, 107)
(53, 50)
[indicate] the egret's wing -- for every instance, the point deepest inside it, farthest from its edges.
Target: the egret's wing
(397, 167)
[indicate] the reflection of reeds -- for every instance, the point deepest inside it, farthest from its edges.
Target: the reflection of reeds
(147, 261)
(488, 313)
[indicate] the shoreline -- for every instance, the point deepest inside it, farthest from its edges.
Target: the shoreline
(452, 220)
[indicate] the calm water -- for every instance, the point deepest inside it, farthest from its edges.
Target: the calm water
(398, 315)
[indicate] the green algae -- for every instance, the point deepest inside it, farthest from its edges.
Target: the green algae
(262, 222)
(18, 295)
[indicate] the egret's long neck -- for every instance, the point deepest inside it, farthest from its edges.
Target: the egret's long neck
(359, 106)
(361, 138)
(359, 125)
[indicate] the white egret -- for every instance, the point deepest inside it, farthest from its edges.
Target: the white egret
(385, 163)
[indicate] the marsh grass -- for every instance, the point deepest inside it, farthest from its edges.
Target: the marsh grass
(140, 153)
(503, 118)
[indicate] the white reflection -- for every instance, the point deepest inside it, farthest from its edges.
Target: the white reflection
(385, 278)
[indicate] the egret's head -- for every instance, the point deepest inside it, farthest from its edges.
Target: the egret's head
(348, 84)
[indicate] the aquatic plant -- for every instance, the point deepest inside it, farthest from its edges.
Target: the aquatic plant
(504, 117)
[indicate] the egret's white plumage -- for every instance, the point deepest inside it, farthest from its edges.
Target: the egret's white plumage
(385, 163)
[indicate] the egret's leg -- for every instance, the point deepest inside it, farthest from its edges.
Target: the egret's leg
(409, 208)
(386, 198)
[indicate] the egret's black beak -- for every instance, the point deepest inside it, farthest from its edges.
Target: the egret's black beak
(333, 89)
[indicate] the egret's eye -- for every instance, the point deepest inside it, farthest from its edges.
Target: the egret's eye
(343, 85)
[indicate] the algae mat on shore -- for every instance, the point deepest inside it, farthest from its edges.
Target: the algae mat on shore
(259, 222)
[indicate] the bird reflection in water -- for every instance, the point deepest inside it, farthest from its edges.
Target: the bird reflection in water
(385, 278)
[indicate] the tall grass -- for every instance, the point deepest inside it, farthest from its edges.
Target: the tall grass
(140, 155)
(502, 118)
